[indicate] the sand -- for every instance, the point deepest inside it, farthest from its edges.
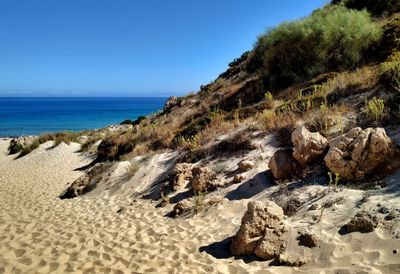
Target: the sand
(39, 233)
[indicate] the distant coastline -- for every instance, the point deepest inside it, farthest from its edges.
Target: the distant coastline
(20, 116)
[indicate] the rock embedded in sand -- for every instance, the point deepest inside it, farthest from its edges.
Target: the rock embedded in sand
(358, 152)
(238, 179)
(308, 239)
(291, 259)
(245, 165)
(308, 146)
(282, 164)
(182, 207)
(258, 217)
(181, 173)
(271, 244)
(362, 222)
(201, 180)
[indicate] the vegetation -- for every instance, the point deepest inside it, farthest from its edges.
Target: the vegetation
(375, 110)
(375, 7)
(14, 147)
(331, 39)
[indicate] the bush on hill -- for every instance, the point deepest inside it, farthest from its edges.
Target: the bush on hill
(331, 39)
(375, 7)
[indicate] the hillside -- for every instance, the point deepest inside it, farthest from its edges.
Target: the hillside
(302, 132)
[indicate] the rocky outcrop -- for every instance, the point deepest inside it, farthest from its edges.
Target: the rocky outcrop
(84, 183)
(171, 102)
(362, 222)
(202, 178)
(245, 165)
(308, 146)
(282, 164)
(271, 244)
(258, 217)
(181, 175)
(358, 152)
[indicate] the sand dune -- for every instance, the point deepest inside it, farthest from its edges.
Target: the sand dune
(40, 233)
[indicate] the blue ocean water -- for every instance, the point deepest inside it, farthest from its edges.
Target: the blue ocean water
(36, 115)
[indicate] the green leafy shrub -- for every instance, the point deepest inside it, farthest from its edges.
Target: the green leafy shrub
(134, 122)
(375, 7)
(331, 39)
(14, 147)
(375, 110)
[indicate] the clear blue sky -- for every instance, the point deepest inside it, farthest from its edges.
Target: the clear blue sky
(128, 47)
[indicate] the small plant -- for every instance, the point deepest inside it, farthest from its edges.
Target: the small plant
(15, 147)
(322, 209)
(375, 110)
(198, 200)
(133, 168)
(191, 143)
(333, 182)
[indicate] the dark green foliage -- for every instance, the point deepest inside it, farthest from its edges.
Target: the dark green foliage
(14, 147)
(135, 122)
(375, 7)
(331, 39)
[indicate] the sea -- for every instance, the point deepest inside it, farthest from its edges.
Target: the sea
(36, 115)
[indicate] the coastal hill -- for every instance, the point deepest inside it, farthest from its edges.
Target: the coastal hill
(287, 162)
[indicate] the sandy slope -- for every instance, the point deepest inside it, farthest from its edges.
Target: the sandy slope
(41, 234)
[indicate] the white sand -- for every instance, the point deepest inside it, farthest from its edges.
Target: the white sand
(41, 234)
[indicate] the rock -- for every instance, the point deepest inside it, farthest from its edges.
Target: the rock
(384, 210)
(362, 222)
(181, 173)
(282, 164)
(245, 165)
(308, 239)
(313, 207)
(84, 183)
(201, 180)
(171, 102)
(308, 146)
(271, 244)
(182, 207)
(291, 259)
(258, 217)
(392, 215)
(238, 179)
(358, 152)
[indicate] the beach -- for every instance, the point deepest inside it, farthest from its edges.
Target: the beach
(120, 234)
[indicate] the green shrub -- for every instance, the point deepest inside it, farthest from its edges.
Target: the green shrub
(331, 39)
(375, 110)
(14, 147)
(375, 7)
(135, 122)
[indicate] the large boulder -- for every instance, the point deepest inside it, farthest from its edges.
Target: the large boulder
(308, 146)
(258, 217)
(358, 152)
(271, 244)
(282, 164)
(201, 179)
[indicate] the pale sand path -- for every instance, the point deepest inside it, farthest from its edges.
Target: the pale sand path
(41, 234)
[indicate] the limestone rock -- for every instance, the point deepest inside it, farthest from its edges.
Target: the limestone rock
(308, 146)
(238, 179)
(271, 244)
(291, 259)
(171, 102)
(358, 152)
(308, 239)
(182, 207)
(362, 222)
(245, 165)
(181, 175)
(258, 217)
(201, 180)
(282, 164)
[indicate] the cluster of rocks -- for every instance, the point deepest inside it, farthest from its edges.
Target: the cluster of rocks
(351, 155)
(262, 233)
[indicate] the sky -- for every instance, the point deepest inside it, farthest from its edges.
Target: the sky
(129, 47)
